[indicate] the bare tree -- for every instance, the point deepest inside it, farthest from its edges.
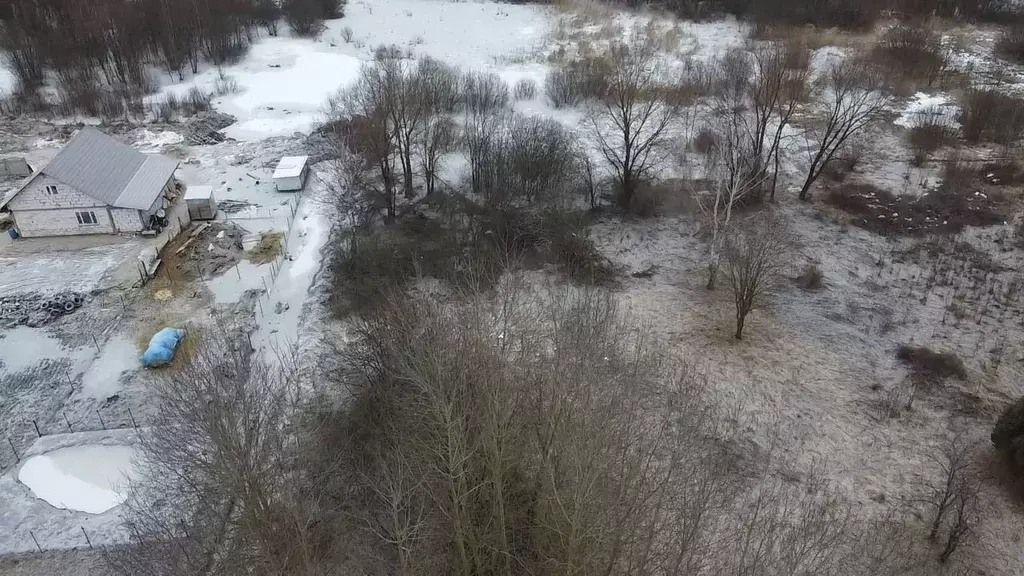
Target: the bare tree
(850, 98)
(964, 516)
(630, 123)
(956, 462)
(775, 91)
(437, 85)
(406, 106)
(732, 179)
(218, 491)
(362, 138)
(483, 100)
(756, 256)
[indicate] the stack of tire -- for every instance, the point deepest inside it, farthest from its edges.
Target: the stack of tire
(37, 310)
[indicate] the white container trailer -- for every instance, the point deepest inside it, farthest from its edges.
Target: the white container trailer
(290, 174)
(200, 202)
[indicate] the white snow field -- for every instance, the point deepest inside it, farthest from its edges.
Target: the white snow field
(84, 478)
(283, 82)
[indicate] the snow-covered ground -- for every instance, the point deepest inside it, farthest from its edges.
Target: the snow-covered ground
(940, 105)
(283, 82)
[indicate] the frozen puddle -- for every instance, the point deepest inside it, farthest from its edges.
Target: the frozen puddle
(83, 478)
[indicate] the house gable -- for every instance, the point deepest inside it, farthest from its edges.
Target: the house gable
(35, 196)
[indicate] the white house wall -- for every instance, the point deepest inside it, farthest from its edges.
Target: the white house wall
(126, 219)
(34, 197)
(61, 222)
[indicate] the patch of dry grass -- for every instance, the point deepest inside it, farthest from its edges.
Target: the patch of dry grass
(271, 246)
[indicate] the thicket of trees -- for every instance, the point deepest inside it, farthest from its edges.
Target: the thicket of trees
(847, 14)
(510, 433)
(101, 49)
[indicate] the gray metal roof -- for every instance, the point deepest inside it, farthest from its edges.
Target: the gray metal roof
(113, 173)
(144, 188)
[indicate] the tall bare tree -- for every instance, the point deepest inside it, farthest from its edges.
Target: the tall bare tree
(756, 256)
(361, 138)
(632, 120)
(849, 99)
(218, 491)
(775, 91)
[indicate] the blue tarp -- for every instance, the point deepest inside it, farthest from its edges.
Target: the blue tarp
(162, 347)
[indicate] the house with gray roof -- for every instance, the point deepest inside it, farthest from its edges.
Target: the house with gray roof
(95, 185)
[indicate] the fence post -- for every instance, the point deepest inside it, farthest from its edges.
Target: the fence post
(66, 421)
(87, 541)
(132, 416)
(36, 425)
(17, 458)
(38, 547)
(100, 416)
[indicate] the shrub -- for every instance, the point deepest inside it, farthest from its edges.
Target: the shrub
(929, 364)
(911, 53)
(930, 130)
(844, 14)
(812, 278)
(483, 92)
(304, 17)
(798, 54)
(990, 116)
(527, 159)
(650, 199)
(576, 81)
(347, 34)
(946, 210)
(165, 109)
(705, 142)
(195, 101)
(1008, 434)
(525, 89)
(225, 85)
(1010, 44)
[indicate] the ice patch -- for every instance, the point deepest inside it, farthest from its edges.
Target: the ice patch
(7, 82)
(156, 141)
(84, 478)
(22, 348)
(102, 379)
(940, 104)
(229, 286)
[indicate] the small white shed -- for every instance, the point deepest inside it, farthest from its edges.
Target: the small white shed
(290, 174)
(200, 202)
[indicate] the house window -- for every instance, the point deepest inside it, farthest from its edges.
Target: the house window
(51, 190)
(86, 217)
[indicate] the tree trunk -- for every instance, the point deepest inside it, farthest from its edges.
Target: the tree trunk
(948, 550)
(805, 190)
(712, 275)
(407, 174)
(741, 317)
(775, 177)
